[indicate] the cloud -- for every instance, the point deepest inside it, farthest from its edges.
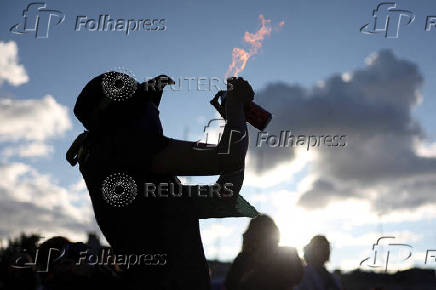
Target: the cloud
(27, 124)
(32, 119)
(10, 70)
(215, 231)
(33, 202)
(33, 149)
(322, 192)
(372, 107)
(367, 239)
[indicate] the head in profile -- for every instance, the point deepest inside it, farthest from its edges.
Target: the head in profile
(317, 252)
(115, 100)
(261, 234)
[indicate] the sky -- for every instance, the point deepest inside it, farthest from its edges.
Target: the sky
(318, 74)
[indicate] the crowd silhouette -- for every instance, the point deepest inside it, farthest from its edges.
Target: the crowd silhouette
(58, 263)
(28, 264)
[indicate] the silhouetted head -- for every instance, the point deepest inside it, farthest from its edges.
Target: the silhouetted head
(261, 234)
(114, 99)
(317, 252)
(49, 251)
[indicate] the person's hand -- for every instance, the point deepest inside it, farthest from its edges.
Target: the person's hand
(239, 90)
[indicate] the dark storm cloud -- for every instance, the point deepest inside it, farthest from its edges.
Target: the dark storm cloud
(373, 109)
(32, 218)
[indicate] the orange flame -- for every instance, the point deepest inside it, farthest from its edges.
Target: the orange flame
(240, 56)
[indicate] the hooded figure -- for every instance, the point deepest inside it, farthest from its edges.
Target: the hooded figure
(157, 238)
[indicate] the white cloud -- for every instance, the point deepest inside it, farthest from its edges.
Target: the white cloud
(424, 149)
(10, 70)
(343, 239)
(32, 149)
(80, 185)
(32, 202)
(32, 119)
(285, 171)
(338, 220)
(215, 231)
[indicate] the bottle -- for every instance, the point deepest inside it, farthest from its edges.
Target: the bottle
(257, 116)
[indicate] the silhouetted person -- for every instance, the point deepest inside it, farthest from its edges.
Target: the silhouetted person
(124, 134)
(17, 270)
(60, 267)
(316, 276)
(49, 251)
(19, 275)
(262, 264)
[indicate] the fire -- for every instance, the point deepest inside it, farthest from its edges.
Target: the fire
(241, 56)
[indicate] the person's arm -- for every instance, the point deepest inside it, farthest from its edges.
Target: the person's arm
(219, 200)
(183, 158)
